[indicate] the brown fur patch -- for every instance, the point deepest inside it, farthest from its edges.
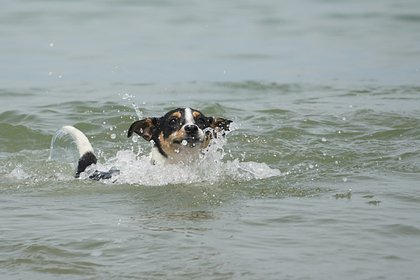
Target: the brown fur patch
(165, 145)
(178, 135)
(177, 114)
(168, 145)
(144, 128)
(196, 114)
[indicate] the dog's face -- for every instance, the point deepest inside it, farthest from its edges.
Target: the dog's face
(180, 131)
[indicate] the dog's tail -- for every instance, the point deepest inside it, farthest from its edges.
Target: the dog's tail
(87, 157)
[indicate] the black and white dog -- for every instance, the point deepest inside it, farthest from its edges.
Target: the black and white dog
(181, 135)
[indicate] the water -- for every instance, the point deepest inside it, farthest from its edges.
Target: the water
(318, 180)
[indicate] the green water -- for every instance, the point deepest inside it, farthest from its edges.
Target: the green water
(317, 180)
(345, 204)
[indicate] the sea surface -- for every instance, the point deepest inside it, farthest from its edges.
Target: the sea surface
(318, 179)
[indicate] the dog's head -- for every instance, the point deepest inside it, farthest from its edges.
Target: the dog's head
(182, 130)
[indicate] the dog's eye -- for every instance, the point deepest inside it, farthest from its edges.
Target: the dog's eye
(201, 122)
(173, 121)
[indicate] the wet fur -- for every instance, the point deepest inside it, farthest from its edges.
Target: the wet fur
(182, 124)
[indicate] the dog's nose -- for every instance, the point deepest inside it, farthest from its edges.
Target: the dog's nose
(191, 129)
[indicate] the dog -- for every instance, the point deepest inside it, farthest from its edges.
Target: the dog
(180, 136)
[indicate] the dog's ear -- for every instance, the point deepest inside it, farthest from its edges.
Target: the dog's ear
(219, 123)
(144, 128)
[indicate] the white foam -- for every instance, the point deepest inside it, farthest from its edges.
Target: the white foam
(140, 170)
(18, 173)
(209, 168)
(137, 167)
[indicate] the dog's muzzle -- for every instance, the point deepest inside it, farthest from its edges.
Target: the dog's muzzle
(192, 136)
(191, 130)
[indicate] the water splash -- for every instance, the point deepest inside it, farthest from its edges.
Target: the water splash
(137, 168)
(139, 113)
(210, 167)
(18, 173)
(140, 170)
(63, 148)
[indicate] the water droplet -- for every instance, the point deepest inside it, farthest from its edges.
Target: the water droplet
(323, 139)
(113, 136)
(345, 179)
(184, 142)
(127, 96)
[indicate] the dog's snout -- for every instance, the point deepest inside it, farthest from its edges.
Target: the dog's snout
(191, 129)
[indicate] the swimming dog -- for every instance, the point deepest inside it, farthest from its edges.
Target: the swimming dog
(180, 136)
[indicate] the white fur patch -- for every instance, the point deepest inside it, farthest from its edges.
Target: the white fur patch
(189, 118)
